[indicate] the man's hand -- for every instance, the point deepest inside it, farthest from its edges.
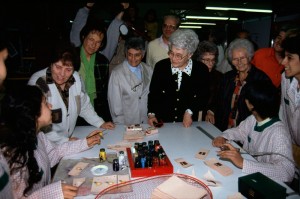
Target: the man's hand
(233, 154)
(218, 141)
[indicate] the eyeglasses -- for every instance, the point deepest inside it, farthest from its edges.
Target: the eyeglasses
(92, 41)
(238, 60)
(134, 88)
(208, 61)
(176, 56)
(169, 26)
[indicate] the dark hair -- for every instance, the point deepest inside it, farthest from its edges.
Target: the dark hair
(206, 47)
(18, 138)
(65, 52)
(264, 96)
(150, 12)
(94, 26)
(292, 45)
(136, 43)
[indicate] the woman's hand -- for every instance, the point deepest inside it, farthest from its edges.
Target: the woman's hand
(73, 138)
(69, 191)
(187, 120)
(210, 117)
(108, 125)
(93, 138)
(233, 154)
(152, 120)
(218, 141)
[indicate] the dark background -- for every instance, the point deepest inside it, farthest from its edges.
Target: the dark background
(33, 27)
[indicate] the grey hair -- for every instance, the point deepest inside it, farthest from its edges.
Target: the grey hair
(207, 47)
(241, 44)
(184, 39)
(175, 17)
(136, 43)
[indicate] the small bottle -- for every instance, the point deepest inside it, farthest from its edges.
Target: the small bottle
(137, 163)
(121, 158)
(116, 165)
(102, 155)
(143, 161)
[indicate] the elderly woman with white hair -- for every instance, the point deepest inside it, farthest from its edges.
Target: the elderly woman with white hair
(232, 108)
(179, 85)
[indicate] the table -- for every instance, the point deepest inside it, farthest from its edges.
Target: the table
(178, 142)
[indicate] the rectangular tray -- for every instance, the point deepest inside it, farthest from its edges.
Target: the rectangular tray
(150, 171)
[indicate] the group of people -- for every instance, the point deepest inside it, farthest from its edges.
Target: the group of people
(178, 83)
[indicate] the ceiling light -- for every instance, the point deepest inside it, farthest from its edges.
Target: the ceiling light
(212, 18)
(198, 23)
(181, 26)
(238, 9)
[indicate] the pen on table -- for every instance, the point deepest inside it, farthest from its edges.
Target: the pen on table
(100, 134)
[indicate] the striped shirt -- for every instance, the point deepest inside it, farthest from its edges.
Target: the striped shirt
(271, 137)
(47, 155)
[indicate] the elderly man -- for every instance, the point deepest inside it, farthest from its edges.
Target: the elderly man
(179, 86)
(158, 48)
(128, 86)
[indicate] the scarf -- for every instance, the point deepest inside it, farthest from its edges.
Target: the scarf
(87, 74)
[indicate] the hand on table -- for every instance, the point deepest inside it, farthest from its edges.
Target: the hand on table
(73, 138)
(210, 117)
(69, 191)
(232, 154)
(187, 120)
(108, 125)
(152, 120)
(218, 141)
(93, 138)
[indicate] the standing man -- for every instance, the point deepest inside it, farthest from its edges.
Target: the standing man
(128, 86)
(290, 92)
(158, 48)
(269, 60)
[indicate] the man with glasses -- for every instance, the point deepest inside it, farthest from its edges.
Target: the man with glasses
(158, 48)
(128, 86)
(179, 87)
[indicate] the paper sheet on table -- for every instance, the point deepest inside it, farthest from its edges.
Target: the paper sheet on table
(174, 187)
(102, 182)
(120, 146)
(134, 135)
(210, 180)
(76, 170)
